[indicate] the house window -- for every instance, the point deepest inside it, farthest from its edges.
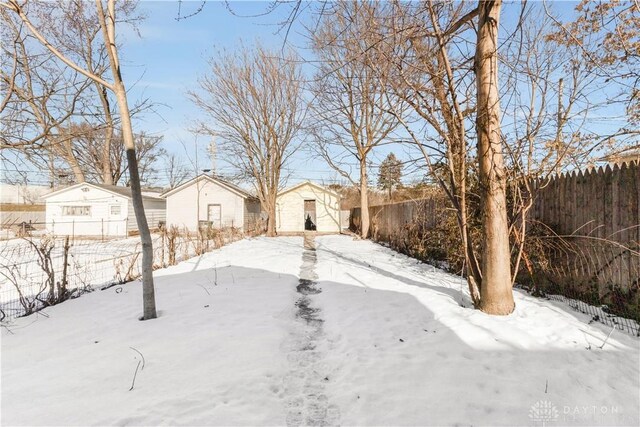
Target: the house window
(76, 210)
(116, 210)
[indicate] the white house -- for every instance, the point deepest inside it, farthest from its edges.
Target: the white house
(308, 206)
(87, 209)
(213, 202)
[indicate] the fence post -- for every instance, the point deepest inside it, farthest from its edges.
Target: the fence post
(73, 230)
(163, 233)
(102, 228)
(62, 288)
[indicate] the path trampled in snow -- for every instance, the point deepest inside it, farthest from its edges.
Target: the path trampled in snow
(337, 331)
(308, 403)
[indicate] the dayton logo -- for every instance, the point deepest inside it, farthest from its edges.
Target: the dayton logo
(543, 412)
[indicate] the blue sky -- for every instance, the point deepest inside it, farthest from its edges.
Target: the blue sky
(164, 61)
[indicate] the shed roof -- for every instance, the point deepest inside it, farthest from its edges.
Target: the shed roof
(114, 189)
(221, 182)
(313, 184)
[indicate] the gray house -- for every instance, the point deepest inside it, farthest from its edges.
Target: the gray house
(212, 202)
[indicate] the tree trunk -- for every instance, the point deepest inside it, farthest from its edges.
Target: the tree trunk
(72, 161)
(148, 291)
(62, 284)
(107, 173)
(471, 264)
(107, 24)
(496, 290)
(364, 200)
(271, 220)
(474, 276)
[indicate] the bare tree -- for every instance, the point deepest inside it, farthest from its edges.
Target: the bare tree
(149, 154)
(175, 172)
(543, 139)
(607, 34)
(51, 144)
(88, 145)
(42, 97)
(351, 109)
(107, 20)
(496, 291)
(546, 96)
(80, 39)
(255, 101)
(546, 99)
(434, 78)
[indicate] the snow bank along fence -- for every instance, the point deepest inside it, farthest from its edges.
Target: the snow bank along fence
(36, 272)
(583, 243)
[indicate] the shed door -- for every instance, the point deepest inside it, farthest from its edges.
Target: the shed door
(114, 224)
(214, 216)
(310, 215)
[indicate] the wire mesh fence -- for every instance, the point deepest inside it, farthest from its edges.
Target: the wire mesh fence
(42, 269)
(598, 276)
(83, 228)
(601, 313)
(595, 276)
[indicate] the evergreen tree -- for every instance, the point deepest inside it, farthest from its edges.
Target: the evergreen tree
(390, 173)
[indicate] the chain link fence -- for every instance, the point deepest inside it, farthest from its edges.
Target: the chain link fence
(39, 269)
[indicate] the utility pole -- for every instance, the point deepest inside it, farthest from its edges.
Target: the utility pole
(213, 151)
(52, 172)
(558, 142)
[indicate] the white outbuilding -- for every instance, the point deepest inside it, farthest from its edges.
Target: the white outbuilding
(207, 201)
(88, 209)
(308, 207)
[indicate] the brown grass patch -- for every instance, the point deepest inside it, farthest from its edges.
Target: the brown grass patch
(19, 207)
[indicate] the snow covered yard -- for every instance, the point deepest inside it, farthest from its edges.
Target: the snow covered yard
(266, 332)
(92, 264)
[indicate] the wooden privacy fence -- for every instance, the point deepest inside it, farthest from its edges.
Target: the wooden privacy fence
(600, 203)
(389, 219)
(421, 228)
(584, 240)
(593, 246)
